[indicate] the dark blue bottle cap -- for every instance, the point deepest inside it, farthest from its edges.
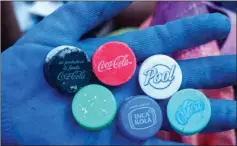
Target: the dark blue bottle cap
(139, 117)
(67, 69)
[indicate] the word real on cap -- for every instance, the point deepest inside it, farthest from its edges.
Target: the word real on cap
(139, 117)
(188, 111)
(160, 76)
(67, 69)
(114, 63)
(94, 107)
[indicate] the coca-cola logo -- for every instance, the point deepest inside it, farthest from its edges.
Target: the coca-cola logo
(187, 109)
(118, 62)
(159, 76)
(76, 75)
(71, 70)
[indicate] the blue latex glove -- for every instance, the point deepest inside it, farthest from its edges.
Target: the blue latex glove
(34, 113)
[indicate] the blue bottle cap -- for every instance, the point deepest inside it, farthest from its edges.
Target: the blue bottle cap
(139, 117)
(67, 69)
(188, 111)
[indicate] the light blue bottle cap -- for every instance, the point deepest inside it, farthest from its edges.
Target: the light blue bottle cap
(188, 111)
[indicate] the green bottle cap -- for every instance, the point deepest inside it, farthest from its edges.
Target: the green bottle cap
(94, 107)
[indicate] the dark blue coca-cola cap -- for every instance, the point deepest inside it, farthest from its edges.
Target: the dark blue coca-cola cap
(67, 69)
(139, 117)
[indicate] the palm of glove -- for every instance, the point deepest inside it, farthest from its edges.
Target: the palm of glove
(34, 113)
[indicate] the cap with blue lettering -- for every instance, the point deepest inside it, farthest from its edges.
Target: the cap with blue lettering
(67, 69)
(139, 117)
(94, 107)
(188, 111)
(160, 76)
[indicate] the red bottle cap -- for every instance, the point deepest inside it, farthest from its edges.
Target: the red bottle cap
(114, 63)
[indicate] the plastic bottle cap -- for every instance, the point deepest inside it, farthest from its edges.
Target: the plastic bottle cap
(139, 117)
(188, 111)
(67, 69)
(114, 63)
(122, 31)
(94, 107)
(160, 76)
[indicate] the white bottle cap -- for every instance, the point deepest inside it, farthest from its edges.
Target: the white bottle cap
(160, 76)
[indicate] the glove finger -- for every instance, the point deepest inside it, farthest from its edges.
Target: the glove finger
(209, 72)
(173, 36)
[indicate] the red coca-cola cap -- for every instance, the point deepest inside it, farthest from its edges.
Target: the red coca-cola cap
(114, 63)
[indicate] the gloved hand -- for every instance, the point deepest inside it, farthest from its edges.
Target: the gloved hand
(34, 113)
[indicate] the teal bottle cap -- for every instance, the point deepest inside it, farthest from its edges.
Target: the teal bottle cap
(94, 107)
(188, 111)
